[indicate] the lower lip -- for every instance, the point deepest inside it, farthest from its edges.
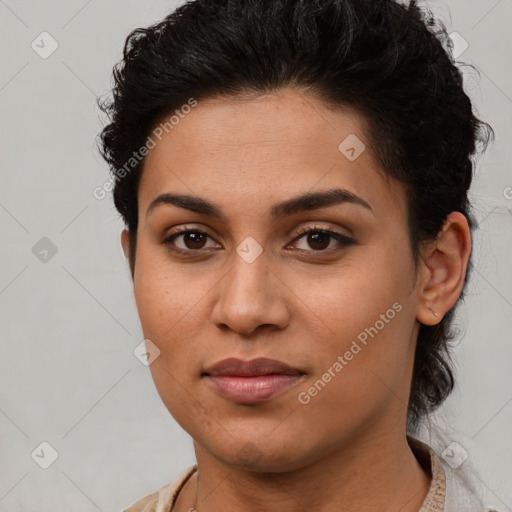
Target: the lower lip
(250, 390)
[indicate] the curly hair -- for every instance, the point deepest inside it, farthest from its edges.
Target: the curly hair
(389, 61)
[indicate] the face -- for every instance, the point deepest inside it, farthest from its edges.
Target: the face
(247, 270)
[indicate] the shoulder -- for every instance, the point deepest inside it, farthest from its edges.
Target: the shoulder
(454, 488)
(163, 499)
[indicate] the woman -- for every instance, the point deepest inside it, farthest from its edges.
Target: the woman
(293, 177)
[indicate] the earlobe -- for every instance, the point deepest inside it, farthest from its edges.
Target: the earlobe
(443, 270)
(125, 243)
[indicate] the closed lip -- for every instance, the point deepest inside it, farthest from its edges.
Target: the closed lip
(234, 367)
(251, 382)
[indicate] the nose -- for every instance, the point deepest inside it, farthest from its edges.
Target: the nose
(250, 297)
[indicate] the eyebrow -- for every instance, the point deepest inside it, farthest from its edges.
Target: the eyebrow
(306, 202)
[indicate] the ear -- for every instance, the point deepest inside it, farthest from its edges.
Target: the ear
(443, 269)
(125, 242)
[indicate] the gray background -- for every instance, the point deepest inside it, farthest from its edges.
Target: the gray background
(69, 324)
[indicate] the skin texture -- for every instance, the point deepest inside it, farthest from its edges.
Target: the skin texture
(346, 449)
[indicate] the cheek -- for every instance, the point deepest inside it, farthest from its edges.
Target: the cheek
(172, 312)
(162, 293)
(369, 322)
(361, 373)
(168, 310)
(367, 327)
(355, 297)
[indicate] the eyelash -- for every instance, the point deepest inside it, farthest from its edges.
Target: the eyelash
(342, 239)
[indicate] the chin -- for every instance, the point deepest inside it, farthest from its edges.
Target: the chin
(262, 455)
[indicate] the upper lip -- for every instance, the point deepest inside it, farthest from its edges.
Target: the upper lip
(260, 366)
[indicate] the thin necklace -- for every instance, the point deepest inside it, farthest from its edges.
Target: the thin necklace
(197, 488)
(189, 482)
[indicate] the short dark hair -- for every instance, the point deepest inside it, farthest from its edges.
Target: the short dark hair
(389, 61)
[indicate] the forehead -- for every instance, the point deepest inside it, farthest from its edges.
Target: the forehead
(260, 149)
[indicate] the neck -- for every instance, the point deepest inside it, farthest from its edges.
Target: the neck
(369, 474)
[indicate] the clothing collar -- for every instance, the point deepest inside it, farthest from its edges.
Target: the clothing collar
(164, 499)
(435, 499)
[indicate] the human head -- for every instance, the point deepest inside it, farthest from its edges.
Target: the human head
(383, 59)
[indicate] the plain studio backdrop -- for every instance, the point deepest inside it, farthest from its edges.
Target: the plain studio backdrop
(68, 323)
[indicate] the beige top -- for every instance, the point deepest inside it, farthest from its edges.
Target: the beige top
(163, 500)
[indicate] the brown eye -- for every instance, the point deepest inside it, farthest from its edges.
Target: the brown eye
(188, 240)
(194, 239)
(319, 240)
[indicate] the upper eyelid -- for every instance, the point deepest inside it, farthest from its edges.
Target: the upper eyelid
(301, 231)
(329, 228)
(300, 234)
